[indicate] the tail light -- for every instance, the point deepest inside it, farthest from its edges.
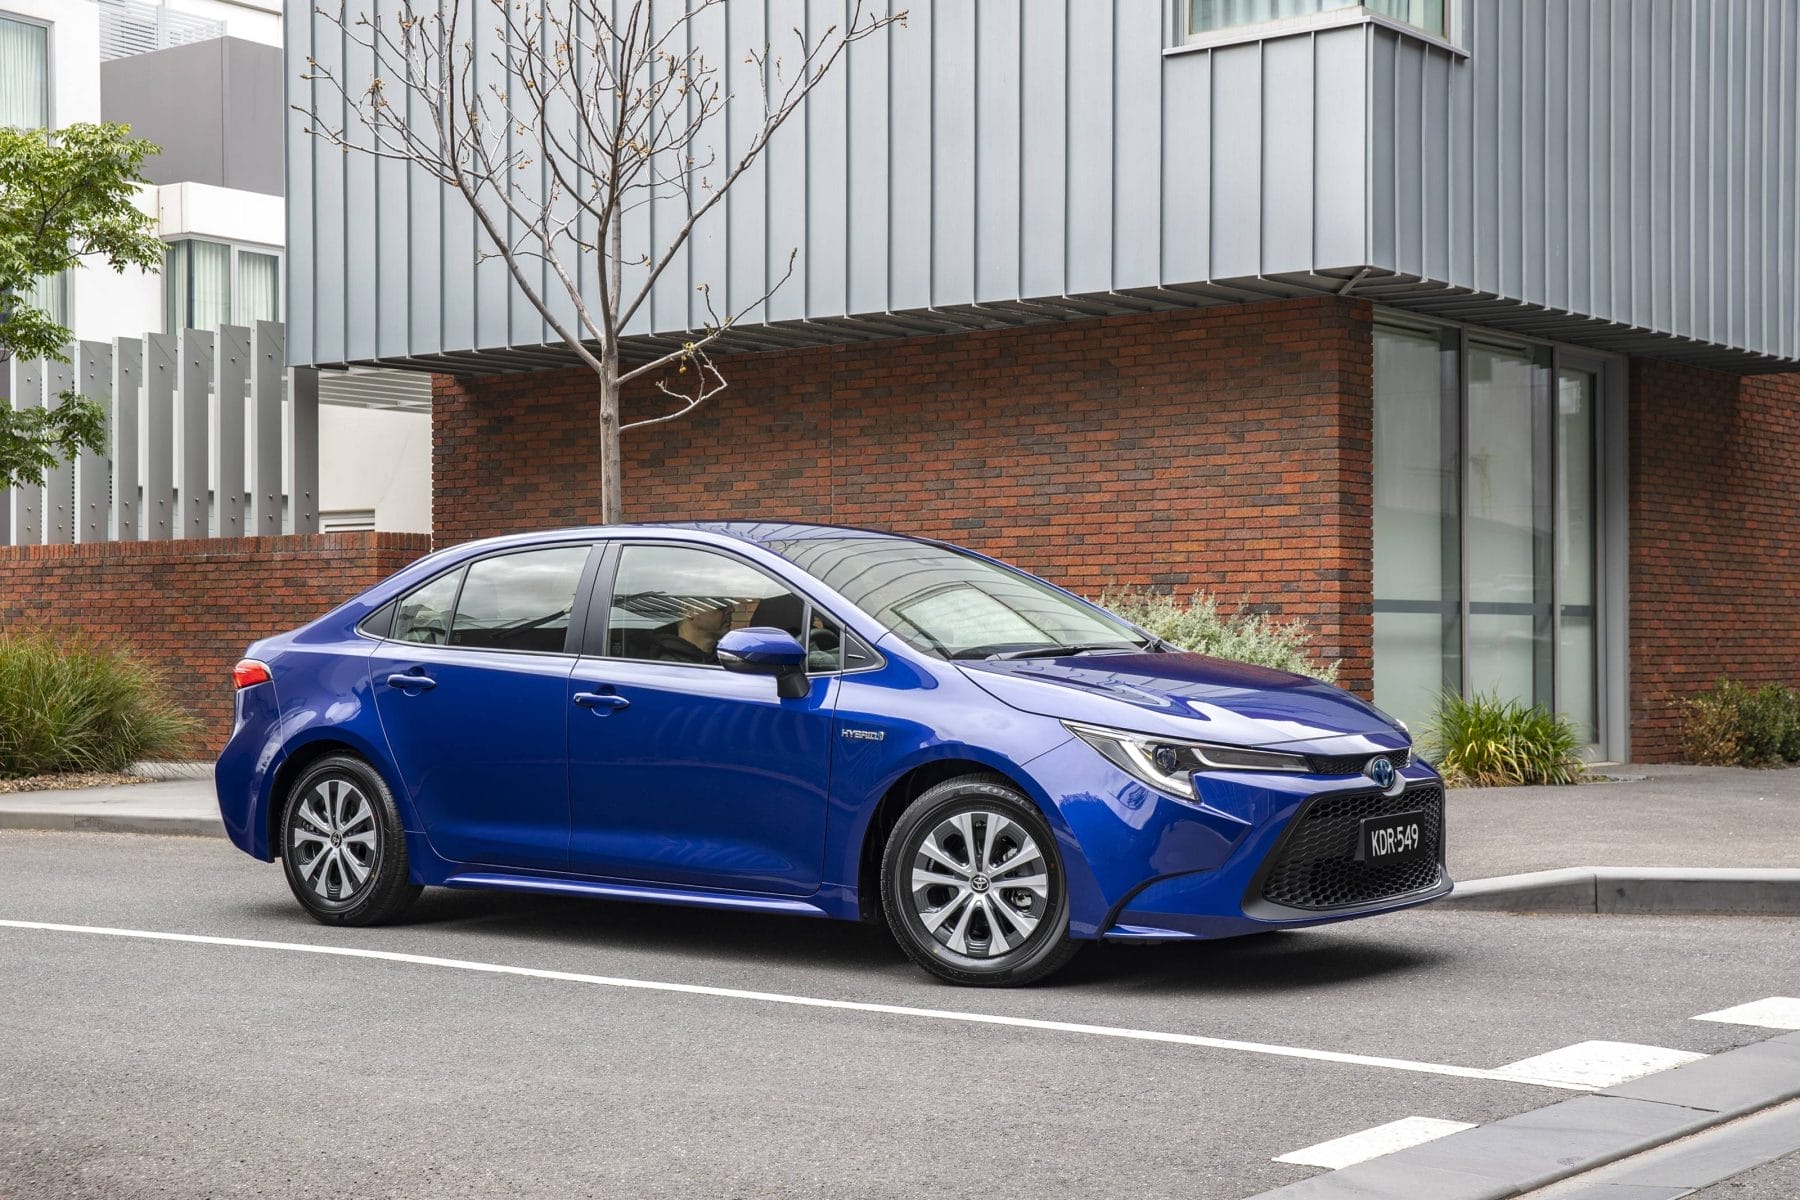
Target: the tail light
(249, 672)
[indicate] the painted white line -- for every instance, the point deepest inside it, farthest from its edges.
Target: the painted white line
(897, 1010)
(1353, 1148)
(1596, 1064)
(1776, 1012)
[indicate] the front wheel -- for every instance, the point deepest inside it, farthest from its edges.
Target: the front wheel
(973, 886)
(342, 846)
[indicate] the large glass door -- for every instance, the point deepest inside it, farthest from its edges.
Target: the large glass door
(1508, 473)
(1486, 526)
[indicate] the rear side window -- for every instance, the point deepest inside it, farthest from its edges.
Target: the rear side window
(519, 601)
(424, 613)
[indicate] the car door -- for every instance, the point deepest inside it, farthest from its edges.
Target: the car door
(472, 688)
(681, 772)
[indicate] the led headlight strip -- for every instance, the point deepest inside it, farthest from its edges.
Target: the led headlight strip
(1166, 763)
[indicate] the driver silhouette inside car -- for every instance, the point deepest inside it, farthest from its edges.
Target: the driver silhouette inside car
(694, 638)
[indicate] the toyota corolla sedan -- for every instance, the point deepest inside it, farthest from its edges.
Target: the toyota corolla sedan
(816, 721)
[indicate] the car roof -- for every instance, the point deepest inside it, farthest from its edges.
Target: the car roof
(758, 533)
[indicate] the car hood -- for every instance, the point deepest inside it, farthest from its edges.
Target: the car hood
(1191, 696)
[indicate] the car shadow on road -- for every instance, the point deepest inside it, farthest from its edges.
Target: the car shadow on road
(1269, 963)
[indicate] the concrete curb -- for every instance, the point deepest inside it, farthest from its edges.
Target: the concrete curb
(1537, 1148)
(1769, 891)
(90, 821)
(162, 771)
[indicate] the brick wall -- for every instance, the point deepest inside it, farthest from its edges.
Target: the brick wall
(1227, 448)
(1715, 539)
(191, 607)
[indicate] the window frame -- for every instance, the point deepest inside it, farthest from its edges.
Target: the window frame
(1183, 40)
(278, 253)
(578, 612)
(599, 614)
(49, 28)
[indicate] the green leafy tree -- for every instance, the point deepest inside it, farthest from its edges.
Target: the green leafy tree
(64, 194)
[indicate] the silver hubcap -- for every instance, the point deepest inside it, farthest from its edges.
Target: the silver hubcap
(979, 884)
(332, 840)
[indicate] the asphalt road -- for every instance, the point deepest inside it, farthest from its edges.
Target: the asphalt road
(140, 1068)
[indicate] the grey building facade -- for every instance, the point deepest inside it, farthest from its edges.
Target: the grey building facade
(1537, 202)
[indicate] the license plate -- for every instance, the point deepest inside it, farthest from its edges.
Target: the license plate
(1390, 839)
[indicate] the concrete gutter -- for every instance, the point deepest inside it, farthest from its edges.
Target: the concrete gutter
(1546, 1145)
(1771, 890)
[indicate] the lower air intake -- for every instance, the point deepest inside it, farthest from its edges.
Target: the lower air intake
(1316, 866)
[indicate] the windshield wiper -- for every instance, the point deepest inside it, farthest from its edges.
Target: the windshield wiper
(1061, 651)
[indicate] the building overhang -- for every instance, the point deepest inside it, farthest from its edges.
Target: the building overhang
(1409, 293)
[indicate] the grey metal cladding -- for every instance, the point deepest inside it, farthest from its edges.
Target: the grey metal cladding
(214, 109)
(1627, 160)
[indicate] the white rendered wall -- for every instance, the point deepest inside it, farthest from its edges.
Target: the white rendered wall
(376, 459)
(252, 20)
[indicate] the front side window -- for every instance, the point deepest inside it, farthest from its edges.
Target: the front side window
(519, 601)
(24, 74)
(1208, 16)
(954, 605)
(674, 603)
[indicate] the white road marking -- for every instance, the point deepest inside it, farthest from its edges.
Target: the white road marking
(1596, 1064)
(1776, 1012)
(1503, 1075)
(1373, 1143)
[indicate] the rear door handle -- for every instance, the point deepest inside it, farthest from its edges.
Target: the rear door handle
(604, 702)
(411, 683)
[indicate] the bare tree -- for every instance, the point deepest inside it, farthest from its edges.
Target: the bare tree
(575, 114)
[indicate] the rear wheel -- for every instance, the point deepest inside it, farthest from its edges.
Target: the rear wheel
(973, 886)
(342, 847)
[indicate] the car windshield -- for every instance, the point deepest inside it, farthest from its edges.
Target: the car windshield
(955, 605)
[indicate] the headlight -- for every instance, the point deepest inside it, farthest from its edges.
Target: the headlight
(1167, 763)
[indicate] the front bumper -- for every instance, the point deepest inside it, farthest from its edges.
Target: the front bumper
(1144, 865)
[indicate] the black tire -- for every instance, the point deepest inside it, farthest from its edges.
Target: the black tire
(1032, 955)
(333, 893)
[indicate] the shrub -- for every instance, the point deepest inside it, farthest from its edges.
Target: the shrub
(1710, 734)
(1243, 636)
(1489, 742)
(70, 705)
(1733, 724)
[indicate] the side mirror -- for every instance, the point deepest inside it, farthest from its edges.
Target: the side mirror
(762, 651)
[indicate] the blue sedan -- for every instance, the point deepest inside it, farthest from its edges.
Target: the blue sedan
(818, 721)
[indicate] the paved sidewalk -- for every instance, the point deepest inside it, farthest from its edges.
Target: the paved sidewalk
(1673, 816)
(176, 806)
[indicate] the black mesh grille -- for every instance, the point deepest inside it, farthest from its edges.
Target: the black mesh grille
(1353, 764)
(1316, 863)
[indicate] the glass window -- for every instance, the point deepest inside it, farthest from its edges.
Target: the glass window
(50, 296)
(1577, 647)
(1205, 16)
(1485, 527)
(952, 604)
(258, 287)
(208, 284)
(424, 614)
(1418, 579)
(1508, 491)
(674, 603)
(24, 74)
(198, 284)
(519, 601)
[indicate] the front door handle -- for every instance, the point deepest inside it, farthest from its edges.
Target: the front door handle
(602, 702)
(411, 683)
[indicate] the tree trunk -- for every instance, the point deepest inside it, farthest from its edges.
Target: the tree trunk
(612, 506)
